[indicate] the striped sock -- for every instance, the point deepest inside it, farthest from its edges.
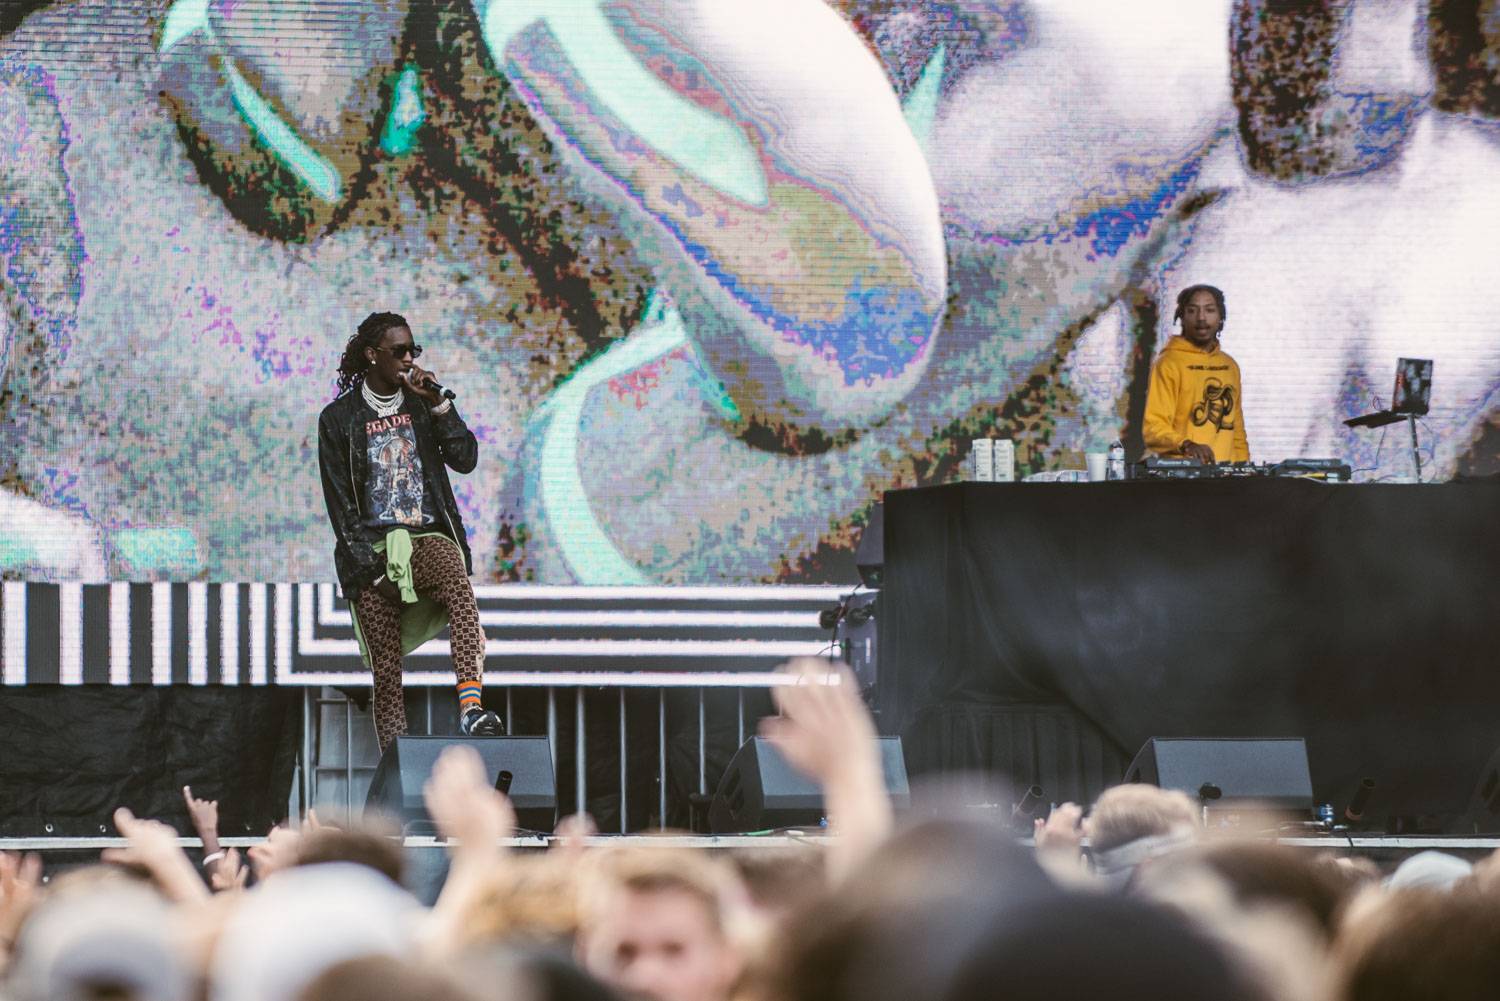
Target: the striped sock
(469, 693)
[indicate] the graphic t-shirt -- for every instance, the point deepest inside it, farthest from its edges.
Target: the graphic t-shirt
(395, 492)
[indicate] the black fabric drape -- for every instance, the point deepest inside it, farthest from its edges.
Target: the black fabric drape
(1049, 746)
(1363, 617)
(70, 755)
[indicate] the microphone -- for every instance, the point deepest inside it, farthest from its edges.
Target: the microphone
(436, 387)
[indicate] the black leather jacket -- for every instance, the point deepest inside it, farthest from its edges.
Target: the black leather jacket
(443, 441)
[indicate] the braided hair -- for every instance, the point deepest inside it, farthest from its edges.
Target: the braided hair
(1187, 293)
(353, 364)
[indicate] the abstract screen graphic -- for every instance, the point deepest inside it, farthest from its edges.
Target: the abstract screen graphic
(709, 276)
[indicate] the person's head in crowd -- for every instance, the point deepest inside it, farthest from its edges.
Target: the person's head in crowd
(288, 930)
(778, 882)
(1420, 944)
(373, 844)
(926, 869)
(103, 938)
(1256, 874)
(531, 899)
(1430, 870)
(386, 978)
(1079, 945)
(94, 878)
(531, 973)
(1134, 822)
(1271, 909)
(658, 923)
(1486, 876)
(1130, 812)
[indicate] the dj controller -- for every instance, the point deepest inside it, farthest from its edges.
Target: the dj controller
(1327, 470)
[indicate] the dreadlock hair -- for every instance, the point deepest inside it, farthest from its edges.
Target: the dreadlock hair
(353, 364)
(1187, 293)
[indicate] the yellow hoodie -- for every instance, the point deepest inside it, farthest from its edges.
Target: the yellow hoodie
(1195, 396)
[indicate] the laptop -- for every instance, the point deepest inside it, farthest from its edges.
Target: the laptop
(1413, 395)
(1413, 386)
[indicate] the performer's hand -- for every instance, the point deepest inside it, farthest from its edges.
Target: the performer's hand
(420, 381)
(1193, 450)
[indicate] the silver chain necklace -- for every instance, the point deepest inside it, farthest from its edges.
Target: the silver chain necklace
(384, 406)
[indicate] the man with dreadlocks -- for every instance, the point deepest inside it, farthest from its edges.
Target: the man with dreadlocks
(399, 547)
(1193, 404)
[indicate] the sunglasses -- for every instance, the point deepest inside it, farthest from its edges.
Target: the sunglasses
(402, 350)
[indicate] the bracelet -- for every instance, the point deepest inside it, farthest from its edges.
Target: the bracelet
(212, 857)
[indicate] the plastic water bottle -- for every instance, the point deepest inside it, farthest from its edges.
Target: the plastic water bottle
(1116, 469)
(1325, 815)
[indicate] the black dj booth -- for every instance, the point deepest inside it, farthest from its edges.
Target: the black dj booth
(1364, 618)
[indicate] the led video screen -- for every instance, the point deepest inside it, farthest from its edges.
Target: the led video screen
(707, 276)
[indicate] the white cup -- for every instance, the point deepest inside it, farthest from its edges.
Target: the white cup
(1098, 466)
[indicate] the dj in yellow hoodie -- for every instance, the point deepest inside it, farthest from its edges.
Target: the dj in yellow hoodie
(1193, 405)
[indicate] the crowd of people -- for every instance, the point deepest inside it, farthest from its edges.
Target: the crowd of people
(1132, 900)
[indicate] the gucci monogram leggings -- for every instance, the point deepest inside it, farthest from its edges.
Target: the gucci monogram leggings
(437, 570)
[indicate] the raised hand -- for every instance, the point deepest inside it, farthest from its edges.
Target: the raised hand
(825, 732)
(20, 881)
(153, 846)
(205, 816)
(229, 872)
(471, 812)
(572, 833)
(277, 852)
(1059, 841)
(1061, 830)
(464, 806)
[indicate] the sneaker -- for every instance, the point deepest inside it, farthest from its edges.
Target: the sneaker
(476, 721)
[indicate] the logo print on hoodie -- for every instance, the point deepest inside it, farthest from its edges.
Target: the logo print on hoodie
(1216, 407)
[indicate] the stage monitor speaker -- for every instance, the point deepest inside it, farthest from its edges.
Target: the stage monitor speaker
(869, 551)
(520, 767)
(760, 791)
(1272, 771)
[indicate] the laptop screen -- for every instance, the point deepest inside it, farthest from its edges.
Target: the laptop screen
(1413, 386)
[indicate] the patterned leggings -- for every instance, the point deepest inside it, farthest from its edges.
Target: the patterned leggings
(437, 570)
